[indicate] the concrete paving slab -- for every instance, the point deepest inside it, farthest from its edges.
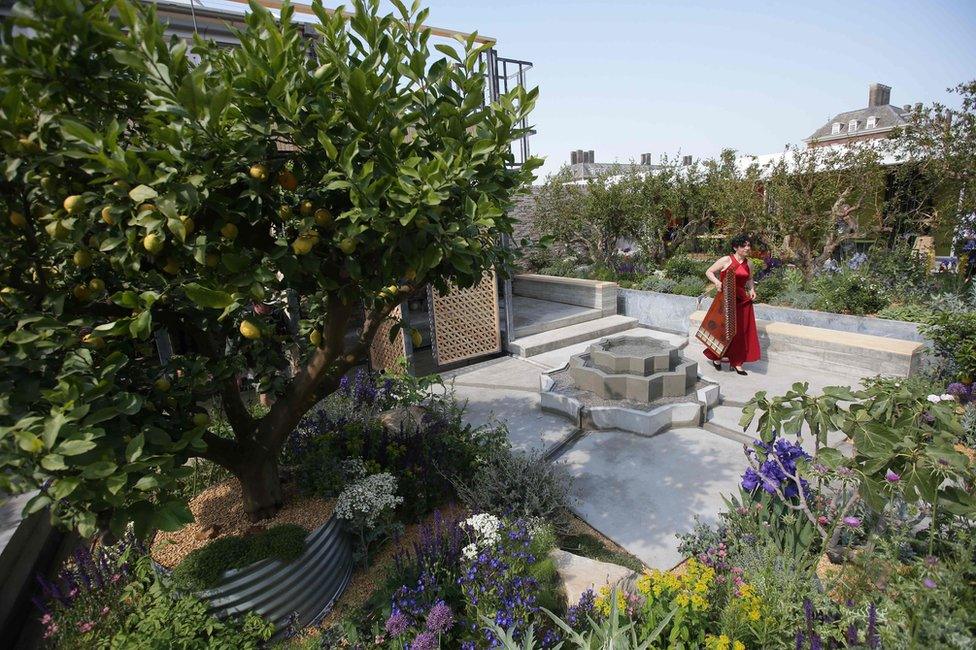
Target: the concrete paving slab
(533, 315)
(529, 428)
(774, 377)
(505, 373)
(640, 491)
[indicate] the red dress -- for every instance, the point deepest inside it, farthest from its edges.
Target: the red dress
(744, 347)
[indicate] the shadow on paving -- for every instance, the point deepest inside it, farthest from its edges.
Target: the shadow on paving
(642, 491)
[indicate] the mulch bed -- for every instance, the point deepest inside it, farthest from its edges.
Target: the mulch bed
(218, 512)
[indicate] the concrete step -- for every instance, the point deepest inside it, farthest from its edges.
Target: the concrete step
(553, 339)
(535, 316)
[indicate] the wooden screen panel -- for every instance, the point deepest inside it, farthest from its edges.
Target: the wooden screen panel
(464, 322)
(384, 353)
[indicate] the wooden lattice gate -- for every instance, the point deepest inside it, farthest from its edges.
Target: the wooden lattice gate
(385, 354)
(464, 322)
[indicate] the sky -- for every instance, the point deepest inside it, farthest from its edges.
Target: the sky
(627, 77)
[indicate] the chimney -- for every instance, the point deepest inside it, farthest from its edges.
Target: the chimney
(879, 95)
(574, 156)
(646, 159)
(685, 161)
(589, 156)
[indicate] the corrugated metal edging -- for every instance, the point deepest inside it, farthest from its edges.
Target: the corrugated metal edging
(306, 587)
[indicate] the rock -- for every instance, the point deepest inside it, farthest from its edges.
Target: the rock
(209, 532)
(409, 419)
(578, 573)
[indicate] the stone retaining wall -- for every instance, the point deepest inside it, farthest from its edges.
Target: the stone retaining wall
(670, 312)
(593, 294)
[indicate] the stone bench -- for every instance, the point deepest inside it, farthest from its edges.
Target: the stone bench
(592, 294)
(844, 352)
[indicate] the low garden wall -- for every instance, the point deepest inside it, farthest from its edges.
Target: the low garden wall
(670, 312)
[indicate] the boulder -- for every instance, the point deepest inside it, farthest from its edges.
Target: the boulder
(578, 573)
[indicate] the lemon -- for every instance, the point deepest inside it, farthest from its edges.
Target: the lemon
(201, 419)
(229, 231)
(73, 203)
(285, 212)
(249, 330)
(188, 224)
(348, 245)
(152, 243)
(315, 337)
(416, 338)
(323, 217)
(259, 172)
(81, 292)
(306, 208)
(82, 259)
(97, 285)
(17, 219)
(93, 340)
(162, 385)
(303, 245)
(172, 266)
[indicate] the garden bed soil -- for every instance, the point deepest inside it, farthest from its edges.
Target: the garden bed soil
(218, 511)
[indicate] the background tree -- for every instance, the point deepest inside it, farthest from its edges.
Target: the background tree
(144, 191)
(935, 180)
(820, 198)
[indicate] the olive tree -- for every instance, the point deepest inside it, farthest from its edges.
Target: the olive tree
(150, 184)
(820, 198)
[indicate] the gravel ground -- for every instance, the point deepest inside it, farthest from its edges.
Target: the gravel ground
(218, 512)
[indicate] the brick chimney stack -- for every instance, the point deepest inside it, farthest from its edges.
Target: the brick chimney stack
(879, 95)
(646, 159)
(580, 156)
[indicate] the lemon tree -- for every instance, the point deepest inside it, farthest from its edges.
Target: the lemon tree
(152, 185)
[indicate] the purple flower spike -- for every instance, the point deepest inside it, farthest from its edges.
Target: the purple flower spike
(397, 624)
(424, 641)
(891, 476)
(440, 618)
(852, 522)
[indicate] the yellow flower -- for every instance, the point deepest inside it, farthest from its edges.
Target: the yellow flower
(738, 645)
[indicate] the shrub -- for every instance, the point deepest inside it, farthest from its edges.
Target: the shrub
(953, 335)
(681, 267)
(770, 287)
(898, 271)
(797, 299)
(203, 568)
(691, 287)
(658, 283)
(423, 458)
(116, 599)
(847, 292)
(517, 484)
(912, 313)
(366, 508)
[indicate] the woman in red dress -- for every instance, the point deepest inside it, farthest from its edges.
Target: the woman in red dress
(744, 347)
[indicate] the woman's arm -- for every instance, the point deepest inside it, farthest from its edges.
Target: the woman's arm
(717, 267)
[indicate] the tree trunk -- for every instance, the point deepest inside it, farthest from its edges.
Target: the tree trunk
(261, 486)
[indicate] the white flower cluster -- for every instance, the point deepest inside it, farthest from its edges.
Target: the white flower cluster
(485, 528)
(945, 397)
(365, 501)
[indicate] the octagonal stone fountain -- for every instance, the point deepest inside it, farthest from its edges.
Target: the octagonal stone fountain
(639, 384)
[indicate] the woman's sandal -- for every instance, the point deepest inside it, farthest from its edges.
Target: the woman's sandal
(740, 371)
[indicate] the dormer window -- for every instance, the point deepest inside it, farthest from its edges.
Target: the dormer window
(835, 128)
(872, 122)
(852, 126)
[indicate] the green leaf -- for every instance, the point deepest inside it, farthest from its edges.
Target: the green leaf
(172, 515)
(62, 487)
(99, 469)
(141, 193)
(116, 482)
(78, 131)
(207, 297)
(134, 449)
(75, 447)
(53, 462)
(141, 325)
(149, 482)
(177, 228)
(38, 502)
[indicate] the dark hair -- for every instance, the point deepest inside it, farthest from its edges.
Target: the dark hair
(739, 240)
